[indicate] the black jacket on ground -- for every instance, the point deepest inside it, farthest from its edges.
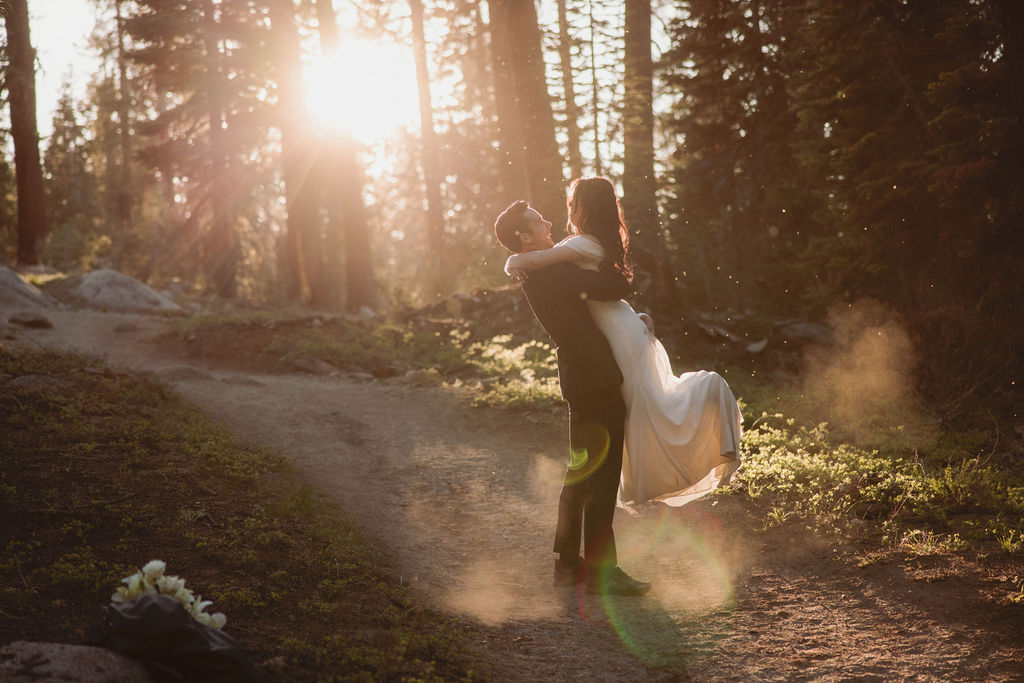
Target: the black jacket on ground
(558, 296)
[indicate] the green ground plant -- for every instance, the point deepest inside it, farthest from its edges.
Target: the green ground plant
(511, 373)
(105, 471)
(915, 501)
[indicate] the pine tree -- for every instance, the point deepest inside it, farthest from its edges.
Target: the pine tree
(435, 239)
(342, 193)
(209, 64)
(20, 80)
(737, 220)
(543, 161)
(639, 184)
(71, 185)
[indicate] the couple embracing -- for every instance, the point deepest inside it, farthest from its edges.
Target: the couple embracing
(637, 432)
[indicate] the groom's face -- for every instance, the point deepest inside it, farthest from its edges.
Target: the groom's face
(537, 234)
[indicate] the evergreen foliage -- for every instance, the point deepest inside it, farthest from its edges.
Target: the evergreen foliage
(831, 151)
(809, 154)
(73, 211)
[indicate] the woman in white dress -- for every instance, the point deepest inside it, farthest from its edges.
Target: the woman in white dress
(682, 432)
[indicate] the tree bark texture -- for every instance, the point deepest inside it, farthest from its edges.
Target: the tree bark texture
(639, 185)
(346, 213)
(542, 159)
(21, 88)
(435, 238)
(124, 191)
(514, 183)
(222, 242)
(595, 104)
(299, 147)
(572, 113)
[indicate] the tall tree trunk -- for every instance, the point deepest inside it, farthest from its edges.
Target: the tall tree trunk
(299, 148)
(123, 196)
(343, 196)
(514, 184)
(595, 90)
(639, 187)
(572, 113)
(543, 162)
(222, 253)
(21, 86)
(749, 241)
(435, 242)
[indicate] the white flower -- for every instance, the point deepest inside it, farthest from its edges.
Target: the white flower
(184, 596)
(134, 582)
(152, 580)
(170, 584)
(154, 569)
(200, 605)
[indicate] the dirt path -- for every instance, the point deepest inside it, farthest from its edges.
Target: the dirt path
(463, 499)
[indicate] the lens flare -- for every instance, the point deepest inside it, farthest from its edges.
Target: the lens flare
(590, 443)
(685, 557)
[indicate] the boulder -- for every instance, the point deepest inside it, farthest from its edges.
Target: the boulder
(16, 293)
(25, 662)
(118, 292)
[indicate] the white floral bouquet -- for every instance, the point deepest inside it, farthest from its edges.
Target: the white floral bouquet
(152, 580)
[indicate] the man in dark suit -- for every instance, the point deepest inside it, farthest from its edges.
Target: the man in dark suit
(590, 382)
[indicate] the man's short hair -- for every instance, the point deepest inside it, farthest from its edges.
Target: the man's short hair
(510, 224)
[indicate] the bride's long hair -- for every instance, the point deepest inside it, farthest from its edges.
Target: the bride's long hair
(598, 212)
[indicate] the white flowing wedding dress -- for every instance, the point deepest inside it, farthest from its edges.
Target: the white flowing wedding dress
(678, 428)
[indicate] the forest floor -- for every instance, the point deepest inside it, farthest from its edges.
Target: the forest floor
(463, 499)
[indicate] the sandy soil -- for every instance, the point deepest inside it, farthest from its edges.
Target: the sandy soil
(463, 500)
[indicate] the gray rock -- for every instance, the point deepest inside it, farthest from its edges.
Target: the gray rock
(803, 331)
(16, 293)
(360, 377)
(29, 319)
(118, 292)
(314, 365)
(758, 346)
(25, 662)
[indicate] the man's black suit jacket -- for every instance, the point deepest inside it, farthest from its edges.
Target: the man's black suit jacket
(558, 296)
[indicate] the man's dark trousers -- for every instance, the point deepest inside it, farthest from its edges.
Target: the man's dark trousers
(590, 487)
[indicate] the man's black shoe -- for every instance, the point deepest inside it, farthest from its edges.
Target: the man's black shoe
(614, 581)
(568, 572)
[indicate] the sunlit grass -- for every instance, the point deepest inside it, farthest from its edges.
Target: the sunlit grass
(914, 501)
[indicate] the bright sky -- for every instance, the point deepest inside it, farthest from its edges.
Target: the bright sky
(59, 31)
